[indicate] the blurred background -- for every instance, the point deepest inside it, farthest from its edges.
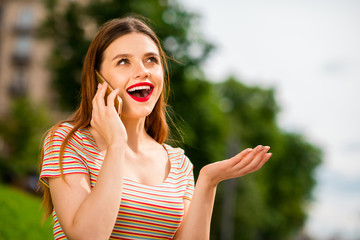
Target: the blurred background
(278, 73)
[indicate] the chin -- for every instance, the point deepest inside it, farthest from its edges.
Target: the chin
(137, 113)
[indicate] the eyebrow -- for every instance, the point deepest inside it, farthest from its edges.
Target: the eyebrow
(126, 55)
(151, 54)
(122, 56)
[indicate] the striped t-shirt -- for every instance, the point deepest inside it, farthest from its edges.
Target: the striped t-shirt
(145, 212)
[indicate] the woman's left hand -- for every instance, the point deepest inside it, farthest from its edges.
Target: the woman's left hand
(247, 161)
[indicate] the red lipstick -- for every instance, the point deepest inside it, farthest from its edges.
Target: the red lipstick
(140, 92)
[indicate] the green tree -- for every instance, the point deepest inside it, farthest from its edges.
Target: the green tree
(271, 203)
(20, 133)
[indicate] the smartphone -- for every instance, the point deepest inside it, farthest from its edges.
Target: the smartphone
(118, 101)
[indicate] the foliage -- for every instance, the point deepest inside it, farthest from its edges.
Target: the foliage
(21, 132)
(272, 202)
(215, 118)
(21, 216)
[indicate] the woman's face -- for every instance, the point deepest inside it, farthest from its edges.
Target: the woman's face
(132, 64)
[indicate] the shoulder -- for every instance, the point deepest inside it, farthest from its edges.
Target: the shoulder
(174, 151)
(60, 132)
(178, 157)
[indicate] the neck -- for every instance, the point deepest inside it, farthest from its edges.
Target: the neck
(135, 128)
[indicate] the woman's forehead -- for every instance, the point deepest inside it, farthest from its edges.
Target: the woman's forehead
(132, 44)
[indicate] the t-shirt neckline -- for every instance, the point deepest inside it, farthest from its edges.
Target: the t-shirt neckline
(92, 141)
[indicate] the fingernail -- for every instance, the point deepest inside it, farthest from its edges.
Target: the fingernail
(99, 85)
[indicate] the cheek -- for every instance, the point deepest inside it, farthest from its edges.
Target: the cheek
(118, 80)
(160, 87)
(160, 79)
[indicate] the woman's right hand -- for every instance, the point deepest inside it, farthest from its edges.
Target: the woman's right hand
(105, 119)
(73, 196)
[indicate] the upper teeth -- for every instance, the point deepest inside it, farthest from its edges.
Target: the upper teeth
(139, 88)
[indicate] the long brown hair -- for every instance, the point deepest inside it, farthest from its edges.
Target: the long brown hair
(155, 124)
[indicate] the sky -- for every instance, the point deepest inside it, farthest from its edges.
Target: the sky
(309, 51)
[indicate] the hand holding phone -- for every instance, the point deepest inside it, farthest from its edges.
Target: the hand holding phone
(118, 100)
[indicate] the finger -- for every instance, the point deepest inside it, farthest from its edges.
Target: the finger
(111, 98)
(100, 96)
(253, 163)
(96, 93)
(259, 156)
(237, 158)
(263, 161)
(97, 90)
(248, 158)
(94, 104)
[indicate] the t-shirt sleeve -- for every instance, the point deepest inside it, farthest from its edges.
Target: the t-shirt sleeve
(189, 191)
(71, 163)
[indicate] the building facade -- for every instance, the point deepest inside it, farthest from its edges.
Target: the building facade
(23, 55)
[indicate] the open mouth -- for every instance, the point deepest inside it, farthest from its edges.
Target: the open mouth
(140, 92)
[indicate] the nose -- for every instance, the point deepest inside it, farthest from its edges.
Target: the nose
(141, 72)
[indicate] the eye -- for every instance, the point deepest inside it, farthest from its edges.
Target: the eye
(153, 60)
(123, 61)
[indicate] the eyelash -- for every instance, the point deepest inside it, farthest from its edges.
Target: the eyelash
(153, 59)
(122, 60)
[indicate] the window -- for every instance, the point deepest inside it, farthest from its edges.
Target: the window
(25, 21)
(18, 84)
(21, 54)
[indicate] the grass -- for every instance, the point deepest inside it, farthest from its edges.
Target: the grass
(20, 216)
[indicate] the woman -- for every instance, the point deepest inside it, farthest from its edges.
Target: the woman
(109, 175)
